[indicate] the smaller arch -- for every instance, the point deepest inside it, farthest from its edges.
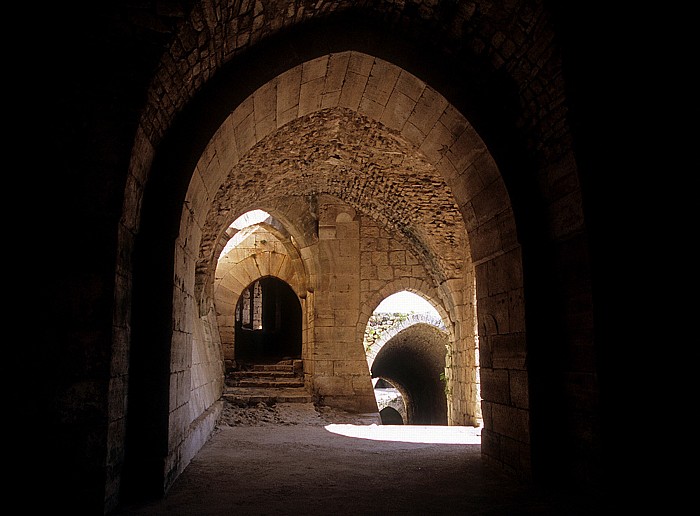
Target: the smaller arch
(402, 402)
(275, 224)
(389, 395)
(244, 265)
(413, 361)
(418, 287)
(390, 416)
(397, 328)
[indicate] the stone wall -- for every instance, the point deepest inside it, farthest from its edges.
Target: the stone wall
(196, 369)
(356, 265)
(340, 374)
(378, 325)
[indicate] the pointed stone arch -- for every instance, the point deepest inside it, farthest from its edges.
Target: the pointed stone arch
(410, 110)
(397, 328)
(415, 114)
(416, 286)
(462, 353)
(239, 268)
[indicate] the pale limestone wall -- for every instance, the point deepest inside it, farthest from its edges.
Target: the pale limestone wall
(462, 364)
(206, 384)
(196, 369)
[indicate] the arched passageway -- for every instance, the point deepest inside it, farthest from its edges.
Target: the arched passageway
(333, 171)
(256, 247)
(391, 416)
(268, 322)
(414, 362)
(130, 345)
(362, 136)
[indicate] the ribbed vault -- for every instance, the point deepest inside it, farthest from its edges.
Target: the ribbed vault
(359, 160)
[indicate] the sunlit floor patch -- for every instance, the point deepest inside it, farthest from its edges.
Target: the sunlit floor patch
(411, 433)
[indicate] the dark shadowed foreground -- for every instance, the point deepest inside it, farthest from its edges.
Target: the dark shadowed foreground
(296, 460)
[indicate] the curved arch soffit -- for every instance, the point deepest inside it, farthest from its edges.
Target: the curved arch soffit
(278, 223)
(388, 94)
(420, 288)
(279, 231)
(403, 104)
(411, 320)
(265, 268)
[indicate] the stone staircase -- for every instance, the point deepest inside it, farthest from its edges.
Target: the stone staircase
(282, 382)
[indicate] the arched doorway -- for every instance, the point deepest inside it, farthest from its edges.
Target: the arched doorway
(414, 361)
(390, 416)
(463, 159)
(268, 322)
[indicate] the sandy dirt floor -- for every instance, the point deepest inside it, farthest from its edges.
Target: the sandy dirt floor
(289, 414)
(285, 460)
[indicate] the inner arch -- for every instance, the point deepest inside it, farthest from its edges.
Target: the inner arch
(395, 156)
(393, 149)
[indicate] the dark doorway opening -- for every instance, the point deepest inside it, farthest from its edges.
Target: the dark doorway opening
(413, 361)
(268, 322)
(390, 416)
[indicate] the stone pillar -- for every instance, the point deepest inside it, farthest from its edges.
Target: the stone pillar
(341, 376)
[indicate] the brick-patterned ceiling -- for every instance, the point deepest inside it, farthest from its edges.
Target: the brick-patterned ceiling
(341, 153)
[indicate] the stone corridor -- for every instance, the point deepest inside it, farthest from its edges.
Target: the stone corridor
(448, 149)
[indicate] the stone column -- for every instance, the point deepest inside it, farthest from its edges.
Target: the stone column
(341, 376)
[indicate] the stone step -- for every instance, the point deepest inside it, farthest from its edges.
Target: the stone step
(273, 367)
(260, 374)
(243, 396)
(281, 375)
(264, 383)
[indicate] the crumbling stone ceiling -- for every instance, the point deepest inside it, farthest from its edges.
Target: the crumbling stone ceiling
(342, 153)
(208, 34)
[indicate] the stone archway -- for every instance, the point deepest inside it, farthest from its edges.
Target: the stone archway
(411, 319)
(462, 160)
(391, 416)
(440, 142)
(413, 360)
(260, 251)
(516, 70)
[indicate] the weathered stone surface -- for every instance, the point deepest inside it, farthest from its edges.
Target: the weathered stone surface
(514, 44)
